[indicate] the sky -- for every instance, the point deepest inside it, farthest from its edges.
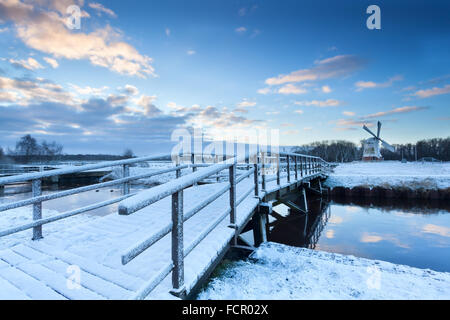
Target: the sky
(137, 71)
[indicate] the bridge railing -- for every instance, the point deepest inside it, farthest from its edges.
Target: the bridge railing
(296, 164)
(291, 165)
(38, 198)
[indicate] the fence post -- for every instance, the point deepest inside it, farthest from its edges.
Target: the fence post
(296, 168)
(36, 189)
(256, 178)
(177, 245)
(193, 162)
(125, 174)
(224, 147)
(178, 171)
(263, 171)
(288, 162)
(301, 167)
(278, 170)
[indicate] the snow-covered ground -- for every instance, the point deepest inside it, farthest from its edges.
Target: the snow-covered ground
(276, 271)
(414, 175)
(19, 216)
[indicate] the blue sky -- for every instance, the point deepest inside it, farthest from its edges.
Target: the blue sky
(137, 70)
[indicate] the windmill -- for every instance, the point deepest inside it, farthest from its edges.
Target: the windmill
(372, 145)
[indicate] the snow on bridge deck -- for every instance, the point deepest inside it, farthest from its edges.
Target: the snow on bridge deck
(39, 269)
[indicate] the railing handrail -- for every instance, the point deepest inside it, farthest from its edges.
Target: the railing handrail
(75, 169)
(150, 196)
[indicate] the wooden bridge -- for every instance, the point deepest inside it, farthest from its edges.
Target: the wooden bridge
(164, 241)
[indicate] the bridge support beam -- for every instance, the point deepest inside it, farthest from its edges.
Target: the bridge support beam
(259, 221)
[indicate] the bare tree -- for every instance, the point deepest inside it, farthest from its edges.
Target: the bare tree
(27, 146)
(128, 153)
(51, 148)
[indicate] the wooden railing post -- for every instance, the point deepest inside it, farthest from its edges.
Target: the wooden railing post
(36, 189)
(194, 168)
(256, 179)
(126, 174)
(301, 166)
(178, 171)
(288, 167)
(278, 170)
(296, 168)
(263, 171)
(177, 245)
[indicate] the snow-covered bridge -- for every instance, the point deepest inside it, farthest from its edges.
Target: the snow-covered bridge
(163, 242)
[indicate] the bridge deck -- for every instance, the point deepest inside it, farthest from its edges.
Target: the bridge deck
(38, 269)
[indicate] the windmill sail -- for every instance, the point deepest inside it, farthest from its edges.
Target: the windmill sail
(372, 145)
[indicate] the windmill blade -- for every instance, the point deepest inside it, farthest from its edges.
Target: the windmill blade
(379, 129)
(387, 146)
(368, 130)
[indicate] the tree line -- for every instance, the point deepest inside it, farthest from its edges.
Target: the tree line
(345, 151)
(28, 149)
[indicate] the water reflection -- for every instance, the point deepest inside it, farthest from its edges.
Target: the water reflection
(414, 233)
(298, 229)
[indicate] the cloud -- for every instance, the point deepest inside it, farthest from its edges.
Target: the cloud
(265, 91)
(337, 66)
(326, 89)
(405, 109)
(190, 52)
(167, 31)
(245, 103)
(432, 92)
(27, 91)
(361, 85)
(221, 123)
(292, 89)
(29, 64)
(240, 30)
(144, 105)
(52, 62)
(349, 113)
(131, 90)
(320, 104)
(101, 9)
(369, 120)
(89, 91)
(291, 132)
(299, 111)
(43, 29)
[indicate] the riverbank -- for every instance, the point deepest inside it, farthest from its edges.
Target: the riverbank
(391, 179)
(276, 271)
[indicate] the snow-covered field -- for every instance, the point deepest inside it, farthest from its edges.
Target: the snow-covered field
(277, 271)
(414, 175)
